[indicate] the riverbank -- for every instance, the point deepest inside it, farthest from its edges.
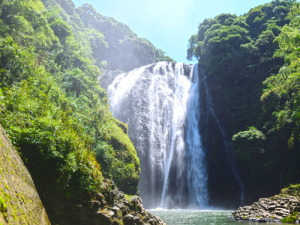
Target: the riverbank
(284, 207)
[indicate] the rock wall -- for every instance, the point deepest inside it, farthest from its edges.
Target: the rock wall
(19, 200)
(279, 208)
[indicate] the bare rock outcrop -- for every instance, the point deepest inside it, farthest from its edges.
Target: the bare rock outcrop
(283, 207)
(109, 207)
(114, 208)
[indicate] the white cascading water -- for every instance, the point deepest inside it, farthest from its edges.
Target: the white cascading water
(160, 104)
(196, 160)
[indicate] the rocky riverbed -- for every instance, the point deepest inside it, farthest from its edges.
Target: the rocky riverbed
(284, 207)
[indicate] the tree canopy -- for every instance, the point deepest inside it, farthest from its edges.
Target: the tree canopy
(51, 103)
(252, 68)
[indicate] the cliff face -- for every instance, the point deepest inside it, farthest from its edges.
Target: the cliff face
(19, 200)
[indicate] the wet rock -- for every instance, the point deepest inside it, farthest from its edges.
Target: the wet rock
(269, 210)
(105, 219)
(114, 208)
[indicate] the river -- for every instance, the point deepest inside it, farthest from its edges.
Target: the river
(199, 217)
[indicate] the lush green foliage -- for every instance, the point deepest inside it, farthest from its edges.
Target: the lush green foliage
(51, 103)
(281, 97)
(249, 144)
(124, 50)
(111, 44)
(238, 53)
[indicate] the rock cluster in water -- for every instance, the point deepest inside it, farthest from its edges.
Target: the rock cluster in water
(112, 207)
(283, 207)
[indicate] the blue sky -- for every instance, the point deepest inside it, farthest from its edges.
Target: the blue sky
(168, 24)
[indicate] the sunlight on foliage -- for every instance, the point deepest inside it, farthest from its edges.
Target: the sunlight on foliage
(52, 106)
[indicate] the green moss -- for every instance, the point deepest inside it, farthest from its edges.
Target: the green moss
(122, 125)
(293, 190)
(291, 218)
(3, 206)
(128, 197)
(118, 222)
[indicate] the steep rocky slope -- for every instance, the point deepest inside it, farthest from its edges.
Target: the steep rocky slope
(19, 200)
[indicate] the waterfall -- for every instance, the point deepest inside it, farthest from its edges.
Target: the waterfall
(196, 161)
(160, 104)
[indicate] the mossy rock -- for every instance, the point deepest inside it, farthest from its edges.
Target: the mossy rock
(293, 190)
(291, 218)
(19, 200)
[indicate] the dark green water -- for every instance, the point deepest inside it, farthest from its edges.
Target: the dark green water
(198, 217)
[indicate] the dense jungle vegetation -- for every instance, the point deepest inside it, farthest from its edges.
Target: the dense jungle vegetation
(51, 104)
(252, 67)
